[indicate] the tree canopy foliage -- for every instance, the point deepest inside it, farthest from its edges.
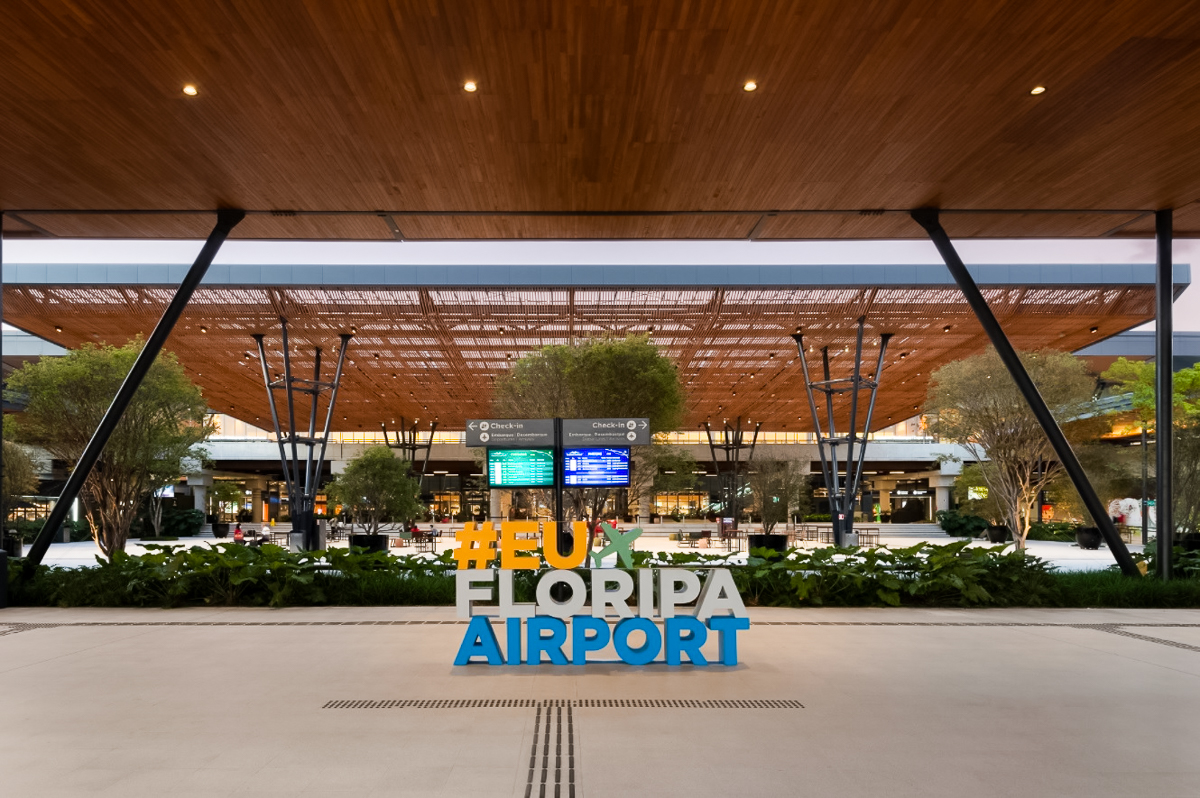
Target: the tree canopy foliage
(597, 378)
(975, 403)
(1137, 377)
(600, 378)
(20, 473)
(66, 398)
(377, 487)
(778, 487)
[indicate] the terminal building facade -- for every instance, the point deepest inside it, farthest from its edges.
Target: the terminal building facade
(430, 339)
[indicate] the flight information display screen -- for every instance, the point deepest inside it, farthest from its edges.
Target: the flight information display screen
(520, 468)
(596, 468)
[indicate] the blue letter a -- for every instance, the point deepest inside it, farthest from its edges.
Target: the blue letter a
(479, 641)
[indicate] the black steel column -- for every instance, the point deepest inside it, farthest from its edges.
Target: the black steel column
(1164, 389)
(1145, 481)
(559, 515)
(928, 218)
(226, 221)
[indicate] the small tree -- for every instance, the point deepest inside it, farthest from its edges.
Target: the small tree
(975, 403)
(20, 473)
(221, 493)
(376, 487)
(598, 378)
(660, 469)
(1138, 378)
(66, 398)
(778, 488)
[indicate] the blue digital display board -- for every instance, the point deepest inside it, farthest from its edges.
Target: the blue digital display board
(596, 468)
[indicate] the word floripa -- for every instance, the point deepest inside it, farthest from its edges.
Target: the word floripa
(538, 632)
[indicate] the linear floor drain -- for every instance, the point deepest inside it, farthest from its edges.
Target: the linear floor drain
(565, 703)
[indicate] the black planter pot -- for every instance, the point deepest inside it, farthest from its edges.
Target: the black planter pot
(220, 530)
(773, 542)
(1190, 541)
(371, 543)
(1088, 537)
(997, 533)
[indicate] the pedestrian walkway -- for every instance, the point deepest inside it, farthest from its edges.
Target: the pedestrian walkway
(365, 702)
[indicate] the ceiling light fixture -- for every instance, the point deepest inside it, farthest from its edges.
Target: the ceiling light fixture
(190, 90)
(57, 328)
(946, 328)
(1095, 329)
(1037, 90)
(203, 329)
(749, 85)
(470, 86)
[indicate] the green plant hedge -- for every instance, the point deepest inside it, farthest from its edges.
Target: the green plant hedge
(962, 525)
(957, 574)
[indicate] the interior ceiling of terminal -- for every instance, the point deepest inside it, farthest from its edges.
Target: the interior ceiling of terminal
(432, 354)
(351, 120)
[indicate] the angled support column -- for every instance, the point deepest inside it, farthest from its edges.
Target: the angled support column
(928, 218)
(226, 221)
(1164, 389)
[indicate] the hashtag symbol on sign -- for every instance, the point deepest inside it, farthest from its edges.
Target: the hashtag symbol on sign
(476, 546)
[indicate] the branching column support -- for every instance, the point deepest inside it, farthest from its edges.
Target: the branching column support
(729, 471)
(226, 221)
(302, 474)
(842, 495)
(409, 443)
(928, 218)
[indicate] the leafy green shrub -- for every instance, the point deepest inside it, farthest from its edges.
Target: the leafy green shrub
(961, 525)
(1062, 531)
(816, 518)
(1111, 588)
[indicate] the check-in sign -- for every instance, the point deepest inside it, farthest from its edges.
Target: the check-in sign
(516, 433)
(606, 432)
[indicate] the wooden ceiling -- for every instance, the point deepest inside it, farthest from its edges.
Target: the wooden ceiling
(432, 353)
(599, 119)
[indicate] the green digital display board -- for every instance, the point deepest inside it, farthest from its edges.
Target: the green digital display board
(520, 468)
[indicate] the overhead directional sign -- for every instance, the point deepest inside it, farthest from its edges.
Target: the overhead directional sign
(606, 432)
(520, 433)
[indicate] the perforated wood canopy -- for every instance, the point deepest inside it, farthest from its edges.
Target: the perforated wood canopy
(349, 119)
(431, 353)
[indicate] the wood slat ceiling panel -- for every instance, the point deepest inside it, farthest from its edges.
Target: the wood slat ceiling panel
(538, 227)
(434, 354)
(623, 105)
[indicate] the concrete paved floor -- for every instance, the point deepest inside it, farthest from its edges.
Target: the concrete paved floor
(215, 702)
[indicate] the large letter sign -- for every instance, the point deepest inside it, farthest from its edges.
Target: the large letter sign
(561, 629)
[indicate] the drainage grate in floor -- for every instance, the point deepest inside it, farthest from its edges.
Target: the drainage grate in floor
(565, 703)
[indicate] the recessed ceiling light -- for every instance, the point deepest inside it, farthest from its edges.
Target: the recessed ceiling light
(190, 90)
(1037, 90)
(469, 86)
(57, 329)
(1095, 329)
(749, 86)
(946, 328)
(203, 329)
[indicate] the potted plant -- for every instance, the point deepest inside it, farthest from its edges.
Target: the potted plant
(778, 487)
(997, 533)
(376, 487)
(1088, 537)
